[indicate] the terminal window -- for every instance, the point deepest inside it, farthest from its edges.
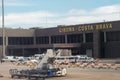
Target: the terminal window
(89, 37)
(42, 40)
(113, 36)
(75, 38)
(20, 40)
(58, 39)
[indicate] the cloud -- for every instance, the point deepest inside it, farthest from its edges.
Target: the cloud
(28, 18)
(77, 12)
(101, 10)
(107, 10)
(105, 13)
(71, 17)
(90, 19)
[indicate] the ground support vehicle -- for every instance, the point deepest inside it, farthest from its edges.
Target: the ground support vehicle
(17, 73)
(41, 74)
(43, 70)
(37, 74)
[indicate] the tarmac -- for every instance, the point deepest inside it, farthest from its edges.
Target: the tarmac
(72, 73)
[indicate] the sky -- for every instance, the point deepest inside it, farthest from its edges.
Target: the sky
(51, 13)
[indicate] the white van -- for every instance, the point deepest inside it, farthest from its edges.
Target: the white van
(9, 59)
(71, 59)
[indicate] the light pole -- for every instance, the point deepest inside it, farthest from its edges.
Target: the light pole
(3, 32)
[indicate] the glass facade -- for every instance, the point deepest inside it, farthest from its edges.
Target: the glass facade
(20, 40)
(42, 40)
(113, 36)
(58, 39)
(75, 38)
(89, 37)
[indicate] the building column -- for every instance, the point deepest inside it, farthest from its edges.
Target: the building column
(23, 52)
(49, 39)
(66, 38)
(105, 39)
(34, 40)
(96, 44)
(6, 41)
(84, 38)
(6, 44)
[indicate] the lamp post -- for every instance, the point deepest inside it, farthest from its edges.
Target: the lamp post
(3, 35)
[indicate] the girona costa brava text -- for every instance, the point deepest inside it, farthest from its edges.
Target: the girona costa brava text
(85, 27)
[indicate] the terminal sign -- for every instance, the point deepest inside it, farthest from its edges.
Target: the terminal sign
(86, 27)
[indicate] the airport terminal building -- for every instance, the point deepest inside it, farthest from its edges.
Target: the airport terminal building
(99, 40)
